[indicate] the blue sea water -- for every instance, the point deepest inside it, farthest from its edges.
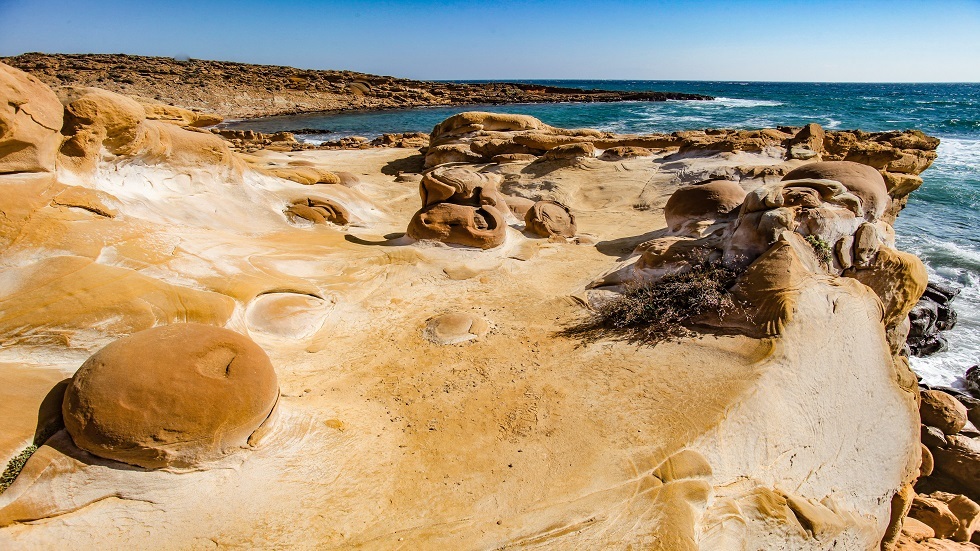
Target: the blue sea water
(941, 223)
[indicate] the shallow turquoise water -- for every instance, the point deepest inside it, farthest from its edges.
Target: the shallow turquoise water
(940, 223)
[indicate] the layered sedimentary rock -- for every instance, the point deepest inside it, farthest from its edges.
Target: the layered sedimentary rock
(437, 380)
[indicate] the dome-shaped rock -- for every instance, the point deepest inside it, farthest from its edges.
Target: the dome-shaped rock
(175, 395)
(550, 219)
(709, 201)
(861, 180)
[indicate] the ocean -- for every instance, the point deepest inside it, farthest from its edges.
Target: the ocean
(941, 223)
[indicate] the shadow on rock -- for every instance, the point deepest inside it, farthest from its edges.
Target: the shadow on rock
(414, 163)
(624, 246)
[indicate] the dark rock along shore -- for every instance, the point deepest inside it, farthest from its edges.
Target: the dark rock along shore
(240, 90)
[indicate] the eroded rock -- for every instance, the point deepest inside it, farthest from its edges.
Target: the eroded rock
(172, 396)
(481, 227)
(455, 328)
(320, 211)
(703, 204)
(30, 123)
(550, 219)
(942, 411)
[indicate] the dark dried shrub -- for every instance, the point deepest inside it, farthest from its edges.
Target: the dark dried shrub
(651, 312)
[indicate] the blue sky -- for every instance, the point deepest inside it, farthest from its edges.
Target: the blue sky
(894, 41)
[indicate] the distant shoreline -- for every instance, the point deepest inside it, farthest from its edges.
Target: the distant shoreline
(245, 91)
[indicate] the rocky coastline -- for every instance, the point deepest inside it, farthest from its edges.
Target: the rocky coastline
(240, 90)
(233, 339)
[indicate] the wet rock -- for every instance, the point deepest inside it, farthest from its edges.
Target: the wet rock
(932, 314)
(972, 378)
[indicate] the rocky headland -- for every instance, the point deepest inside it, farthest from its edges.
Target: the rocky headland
(417, 343)
(241, 90)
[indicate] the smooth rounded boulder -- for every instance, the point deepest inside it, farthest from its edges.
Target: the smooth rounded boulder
(942, 411)
(550, 219)
(171, 396)
(861, 180)
(31, 117)
(706, 202)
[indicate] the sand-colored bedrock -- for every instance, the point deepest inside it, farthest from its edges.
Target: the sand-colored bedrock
(427, 397)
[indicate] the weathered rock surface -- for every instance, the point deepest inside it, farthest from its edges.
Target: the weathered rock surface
(940, 410)
(960, 460)
(172, 396)
(702, 205)
(481, 227)
(455, 328)
(550, 219)
(460, 206)
(932, 315)
(30, 123)
(565, 443)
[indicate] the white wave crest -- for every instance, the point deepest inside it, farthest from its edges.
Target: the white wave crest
(958, 153)
(732, 102)
(947, 368)
(735, 102)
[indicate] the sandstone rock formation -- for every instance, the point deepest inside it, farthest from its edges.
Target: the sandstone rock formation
(460, 206)
(97, 120)
(942, 411)
(319, 211)
(455, 328)
(898, 157)
(702, 205)
(524, 437)
(30, 123)
(172, 396)
(550, 219)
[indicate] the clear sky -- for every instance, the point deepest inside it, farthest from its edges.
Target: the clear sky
(864, 41)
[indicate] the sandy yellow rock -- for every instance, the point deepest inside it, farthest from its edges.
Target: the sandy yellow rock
(172, 396)
(30, 123)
